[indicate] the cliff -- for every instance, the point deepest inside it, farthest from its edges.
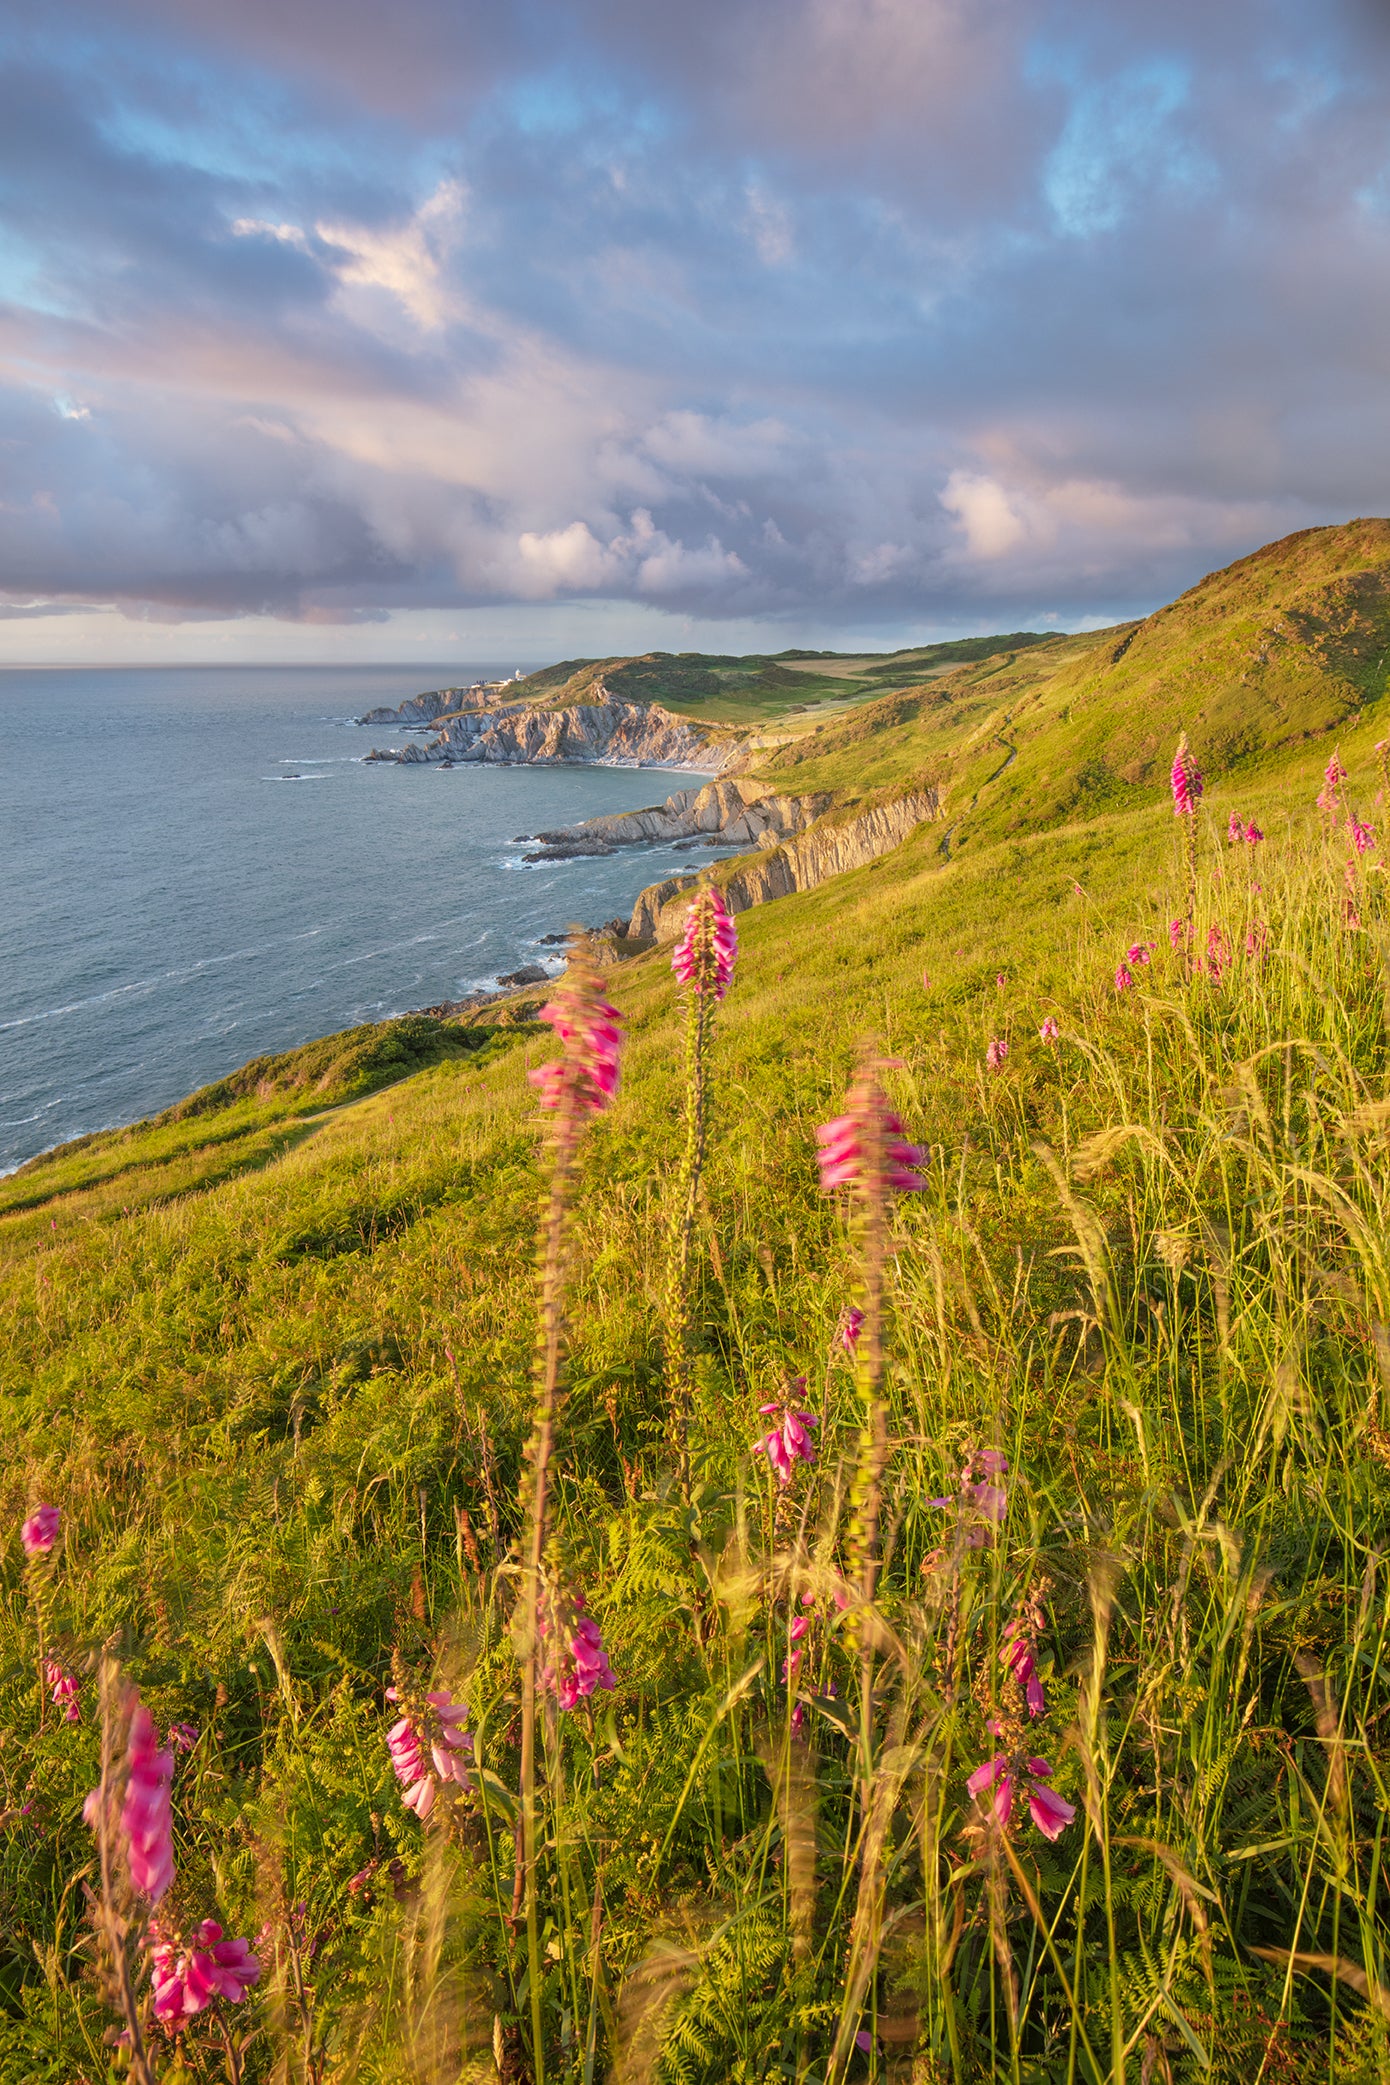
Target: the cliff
(617, 734)
(740, 812)
(827, 848)
(423, 709)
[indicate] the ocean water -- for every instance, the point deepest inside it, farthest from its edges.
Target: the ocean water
(196, 867)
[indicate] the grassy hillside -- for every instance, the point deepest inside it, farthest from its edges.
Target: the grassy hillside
(756, 688)
(283, 1405)
(1280, 652)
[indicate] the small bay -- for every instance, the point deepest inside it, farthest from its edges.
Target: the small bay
(198, 868)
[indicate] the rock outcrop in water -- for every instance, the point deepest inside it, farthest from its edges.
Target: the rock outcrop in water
(828, 848)
(612, 733)
(737, 813)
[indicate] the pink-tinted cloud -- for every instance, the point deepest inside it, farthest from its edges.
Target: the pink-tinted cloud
(877, 309)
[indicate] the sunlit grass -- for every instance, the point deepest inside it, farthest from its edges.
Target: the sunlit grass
(284, 1415)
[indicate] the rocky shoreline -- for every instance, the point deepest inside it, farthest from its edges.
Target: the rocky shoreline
(783, 843)
(473, 725)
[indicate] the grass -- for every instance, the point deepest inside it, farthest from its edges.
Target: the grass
(283, 1398)
(757, 688)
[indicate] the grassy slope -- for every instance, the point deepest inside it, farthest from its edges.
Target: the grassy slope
(1276, 651)
(756, 688)
(264, 1400)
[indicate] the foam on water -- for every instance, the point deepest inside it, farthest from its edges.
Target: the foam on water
(167, 917)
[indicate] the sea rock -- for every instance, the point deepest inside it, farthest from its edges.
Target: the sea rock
(571, 851)
(529, 974)
(737, 813)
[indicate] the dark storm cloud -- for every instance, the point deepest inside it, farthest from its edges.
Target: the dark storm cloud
(869, 309)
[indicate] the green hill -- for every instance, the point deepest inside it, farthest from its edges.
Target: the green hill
(1257, 662)
(756, 687)
(272, 1356)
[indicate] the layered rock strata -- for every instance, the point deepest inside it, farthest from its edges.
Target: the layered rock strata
(828, 848)
(733, 813)
(616, 734)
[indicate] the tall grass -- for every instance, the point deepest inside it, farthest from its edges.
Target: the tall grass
(1149, 1271)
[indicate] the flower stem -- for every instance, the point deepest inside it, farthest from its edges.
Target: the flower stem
(677, 1312)
(564, 1144)
(115, 1929)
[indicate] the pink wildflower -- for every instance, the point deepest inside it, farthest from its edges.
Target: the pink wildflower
(1235, 830)
(1049, 1031)
(704, 955)
(183, 1980)
(866, 1148)
(996, 1053)
(420, 1756)
(1362, 837)
(1139, 953)
(65, 1686)
(1124, 978)
(1334, 774)
(583, 1664)
(1187, 781)
(182, 1736)
(586, 1075)
(849, 1328)
(1253, 835)
(800, 1628)
(1049, 1812)
(978, 1501)
(1257, 938)
(1218, 953)
(146, 1816)
(789, 1441)
(1000, 979)
(1017, 1656)
(40, 1530)
(1177, 932)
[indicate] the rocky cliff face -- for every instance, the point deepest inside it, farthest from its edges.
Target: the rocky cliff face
(421, 709)
(826, 849)
(617, 734)
(741, 813)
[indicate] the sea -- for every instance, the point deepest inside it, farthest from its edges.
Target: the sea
(197, 867)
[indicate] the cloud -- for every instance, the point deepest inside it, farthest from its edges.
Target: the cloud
(855, 310)
(406, 261)
(989, 524)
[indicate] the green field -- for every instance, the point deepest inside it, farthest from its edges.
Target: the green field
(273, 1356)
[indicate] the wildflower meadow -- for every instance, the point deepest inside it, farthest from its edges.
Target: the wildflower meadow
(795, 1517)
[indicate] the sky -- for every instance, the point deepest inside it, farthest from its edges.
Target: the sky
(334, 330)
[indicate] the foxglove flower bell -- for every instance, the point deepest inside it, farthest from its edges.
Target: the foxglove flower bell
(581, 1664)
(704, 955)
(586, 1075)
(1187, 781)
(183, 1980)
(790, 1441)
(146, 1815)
(866, 1148)
(1049, 1812)
(1334, 774)
(423, 1756)
(40, 1531)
